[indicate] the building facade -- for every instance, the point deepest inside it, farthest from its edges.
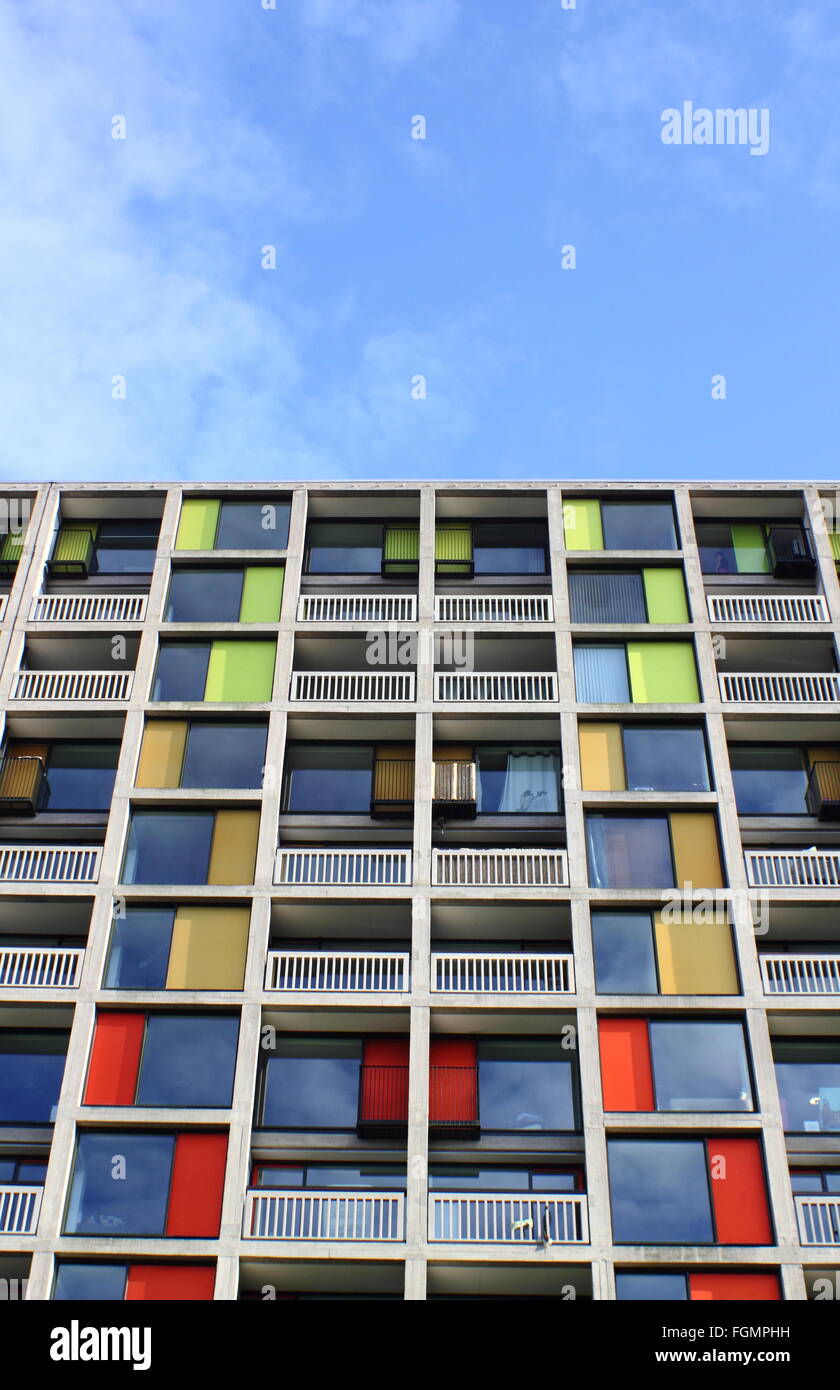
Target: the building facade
(420, 891)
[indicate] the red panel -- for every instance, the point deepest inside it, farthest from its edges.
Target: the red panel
(115, 1059)
(198, 1176)
(168, 1283)
(734, 1288)
(384, 1097)
(626, 1074)
(453, 1081)
(739, 1194)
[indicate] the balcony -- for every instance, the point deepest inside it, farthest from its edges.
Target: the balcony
(780, 688)
(21, 779)
(323, 867)
(272, 1214)
(789, 553)
(797, 609)
(80, 687)
(357, 608)
(335, 972)
(823, 791)
(506, 972)
(20, 1207)
(785, 973)
(454, 789)
(49, 863)
(453, 1100)
(496, 687)
(819, 1220)
(88, 608)
(393, 787)
(796, 868)
(494, 608)
(500, 868)
(368, 687)
(40, 967)
(508, 1219)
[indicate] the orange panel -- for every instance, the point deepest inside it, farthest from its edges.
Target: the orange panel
(739, 1194)
(115, 1059)
(385, 1080)
(198, 1177)
(453, 1081)
(626, 1074)
(734, 1288)
(168, 1283)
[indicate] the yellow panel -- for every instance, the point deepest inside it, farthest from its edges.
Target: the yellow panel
(695, 957)
(601, 758)
(452, 753)
(234, 851)
(391, 752)
(162, 753)
(696, 853)
(824, 753)
(209, 945)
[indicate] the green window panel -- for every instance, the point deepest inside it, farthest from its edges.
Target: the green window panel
(11, 551)
(582, 524)
(240, 672)
(262, 594)
(835, 545)
(665, 595)
(750, 546)
(198, 524)
(73, 550)
(453, 549)
(662, 673)
(401, 554)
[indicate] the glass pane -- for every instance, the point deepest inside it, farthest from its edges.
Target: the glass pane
(598, 597)
(665, 759)
(260, 525)
(601, 675)
(665, 1288)
(806, 1182)
(462, 1179)
(717, 553)
(700, 1065)
(659, 1192)
(638, 526)
(204, 596)
(131, 1204)
(769, 779)
(188, 1059)
(80, 776)
(335, 547)
(629, 852)
(518, 781)
(808, 1077)
(181, 671)
(313, 1084)
(509, 548)
(624, 956)
(126, 547)
(105, 1283)
(139, 955)
(525, 1085)
(328, 778)
(31, 1172)
(373, 1178)
(31, 1070)
(224, 755)
(168, 847)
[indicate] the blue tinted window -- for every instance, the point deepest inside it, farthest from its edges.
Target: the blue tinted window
(120, 1185)
(258, 525)
(769, 779)
(126, 547)
(224, 755)
(518, 781)
(80, 777)
(330, 778)
(700, 1064)
(509, 547)
(312, 1084)
(168, 847)
(665, 758)
(659, 1192)
(661, 1288)
(181, 671)
(31, 1070)
(599, 596)
(808, 1077)
(629, 852)
(188, 1060)
(337, 547)
(103, 1283)
(525, 1085)
(204, 596)
(139, 955)
(638, 526)
(624, 956)
(601, 675)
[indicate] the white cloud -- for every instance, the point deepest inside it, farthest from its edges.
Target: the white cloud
(395, 32)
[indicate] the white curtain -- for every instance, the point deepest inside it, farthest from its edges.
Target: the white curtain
(530, 784)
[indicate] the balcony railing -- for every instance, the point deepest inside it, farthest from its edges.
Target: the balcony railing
(493, 608)
(82, 687)
(800, 974)
(20, 785)
(500, 868)
(496, 687)
(823, 791)
(49, 863)
(20, 1208)
(41, 967)
(357, 608)
(819, 1220)
(304, 867)
(338, 972)
(501, 1218)
(502, 973)
(780, 688)
(796, 868)
(273, 1214)
(797, 609)
(88, 608)
(371, 687)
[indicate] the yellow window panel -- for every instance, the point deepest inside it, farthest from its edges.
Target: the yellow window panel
(209, 946)
(162, 753)
(601, 758)
(695, 957)
(234, 851)
(696, 851)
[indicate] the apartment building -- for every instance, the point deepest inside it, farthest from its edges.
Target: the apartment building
(420, 891)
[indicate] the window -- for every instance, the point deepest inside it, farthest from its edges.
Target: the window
(253, 525)
(103, 1282)
(660, 1192)
(638, 526)
(624, 956)
(27, 1172)
(139, 955)
(769, 779)
(204, 596)
(31, 1071)
(169, 847)
(232, 671)
(312, 1083)
(599, 596)
(732, 548)
(163, 1060)
(126, 547)
(808, 1077)
(80, 776)
(661, 1288)
(224, 755)
(646, 672)
(629, 852)
(518, 781)
(336, 778)
(371, 1177)
(526, 1085)
(510, 547)
(466, 1179)
(348, 547)
(601, 675)
(132, 1183)
(700, 1065)
(753, 1286)
(100, 1282)
(660, 757)
(181, 671)
(192, 947)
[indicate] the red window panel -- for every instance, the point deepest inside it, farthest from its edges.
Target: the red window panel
(115, 1059)
(384, 1095)
(626, 1073)
(169, 1283)
(734, 1288)
(739, 1192)
(453, 1081)
(198, 1177)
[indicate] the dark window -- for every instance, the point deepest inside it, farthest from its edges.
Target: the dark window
(312, 1083)
(525, 1085)
(601, 674)
(638, 526)
(133, 1204)
(808, 1077)
(28, 1172)
(769, 779)
(168, 847)
(259, 525)
(624, 956)
(188, 1060)
(181, 671)
(700, 1064)
(377, 1176)
(509, 547)
(717, 553)
(661, 1288)
(126, 547)
(328, 777)
(139, 955)
(204, 596)
(602, 597)
(518, 781)
(80, 776)
(344, 547)
(31, 1069)
(463, 1179)
(629, 852)
(89, 1282)
(224, 755)
(665, 758)
(659, 1192)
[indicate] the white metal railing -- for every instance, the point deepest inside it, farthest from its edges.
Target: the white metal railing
(493, 608)
(78, 686)
(819, 1220)
(49, 863)
(780, 687)
(302, 867)
(88, 608)
(368, 686)
(385, 972)
(357, 608)
(795, 868)
(800, 974)
(500, 868)
(20, 1207)
(496, 687)
(41, 967)
(501, 973)
(273, 1214)
(767, 608)
(508, 1218)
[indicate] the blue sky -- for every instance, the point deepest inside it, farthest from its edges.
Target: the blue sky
(397, 257)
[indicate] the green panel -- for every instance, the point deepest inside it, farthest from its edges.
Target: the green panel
(835, 545)
(11, 550)
(73, 548)
(262, 594)
(240, 671)
(402, 543)
(198, 524)
(582, 524)
(665, 595)
(453, 549)
(750, 548)
(662, 673)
